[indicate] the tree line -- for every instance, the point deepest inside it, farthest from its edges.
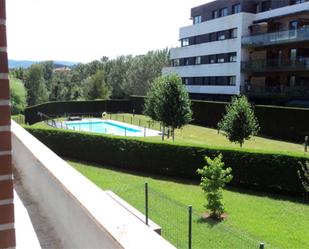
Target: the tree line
(100, 79)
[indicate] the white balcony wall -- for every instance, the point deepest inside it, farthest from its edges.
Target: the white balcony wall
(287, 10)
(230, 90)
(218, 69)
(217, 47)
(82, 215)
(218, 24)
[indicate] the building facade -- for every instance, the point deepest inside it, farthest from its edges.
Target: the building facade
(257, 47)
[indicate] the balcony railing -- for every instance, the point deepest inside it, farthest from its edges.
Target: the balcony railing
(274, 38)
(276, 91)
(301, 64)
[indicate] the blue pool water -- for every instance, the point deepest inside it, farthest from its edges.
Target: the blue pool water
(108, 127)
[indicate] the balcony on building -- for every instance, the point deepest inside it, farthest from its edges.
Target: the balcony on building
(288, 92)
(279, 32)
(275, 65)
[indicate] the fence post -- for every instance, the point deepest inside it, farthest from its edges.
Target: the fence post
(144, 131)
(306, 143)
(190, 228)
(262, 245)
(125, 132)
(146, 202)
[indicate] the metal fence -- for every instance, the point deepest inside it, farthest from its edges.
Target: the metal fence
(182, 225)
(57, 121)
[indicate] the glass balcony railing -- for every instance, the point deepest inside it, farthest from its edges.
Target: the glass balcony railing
(276, 91)
(300, 64)
(281, 37)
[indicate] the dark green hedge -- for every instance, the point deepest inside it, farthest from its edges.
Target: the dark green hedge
(60, 108)
(263, 171)
(291, 124)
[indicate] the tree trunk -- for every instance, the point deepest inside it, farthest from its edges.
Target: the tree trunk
(173, 134)
(163, 130)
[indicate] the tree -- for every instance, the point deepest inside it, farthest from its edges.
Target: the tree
(143, 70)
(35, 85)
(213, 178)
(304, 175)
(168, 102)
(96, 88)
(239, 123)
(18, 96)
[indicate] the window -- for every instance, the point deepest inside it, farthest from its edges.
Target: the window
(215, 14)
(176, 62)
(198, 60)
(221, 35)
(257, 8)
(232, 80)
(186, 61)
(220, 58)
(213, 37)
(293, 54)
(233, 33)
(199, 81)
(223, 12)
(236, 8)
(185, 81)
(212, 59)
(185, 42)
(297, 1)
(232, 57)
(266, 5)
(292, 80)
(197, 19)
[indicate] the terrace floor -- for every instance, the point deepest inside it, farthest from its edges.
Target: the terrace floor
(32, 228)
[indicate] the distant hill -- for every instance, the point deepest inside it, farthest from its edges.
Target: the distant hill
(26, 64)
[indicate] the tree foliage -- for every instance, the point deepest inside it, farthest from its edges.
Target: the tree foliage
(35, 84)
(126, 75)
(95, 87)
(239, 122)
(18, 96)
(213, 178)
(168, 102)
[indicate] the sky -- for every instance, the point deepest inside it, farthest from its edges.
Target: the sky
(85, 30)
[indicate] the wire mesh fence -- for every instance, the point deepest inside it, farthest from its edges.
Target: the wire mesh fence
(174, 219)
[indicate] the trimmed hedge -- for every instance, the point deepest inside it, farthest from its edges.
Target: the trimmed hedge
(258, 170)
(291, 124)
(60, 108)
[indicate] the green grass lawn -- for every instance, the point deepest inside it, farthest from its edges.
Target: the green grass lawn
(201, 136)
(197, 135)
(252, 218)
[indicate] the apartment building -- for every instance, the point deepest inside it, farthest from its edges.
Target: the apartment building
(255, 47)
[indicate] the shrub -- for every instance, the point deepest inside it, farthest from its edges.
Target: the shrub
(214, 178)
(270, 172)
(239, 123)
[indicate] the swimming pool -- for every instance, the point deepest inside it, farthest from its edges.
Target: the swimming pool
(109, 127)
